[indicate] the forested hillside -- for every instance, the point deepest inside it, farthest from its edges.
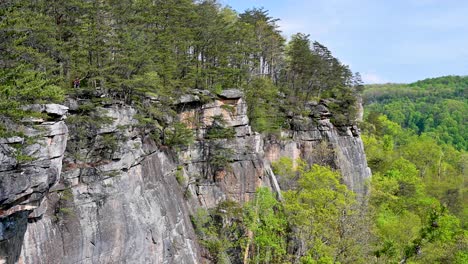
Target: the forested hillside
(437, 107)
(415, 137)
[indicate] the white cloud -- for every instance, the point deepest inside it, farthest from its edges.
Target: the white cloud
(372, 78)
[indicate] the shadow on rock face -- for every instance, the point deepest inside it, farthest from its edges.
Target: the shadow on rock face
(12, 229)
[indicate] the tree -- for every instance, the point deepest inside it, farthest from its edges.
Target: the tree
(269, 42)
(322, 213)
(267, 223)
(27, 66)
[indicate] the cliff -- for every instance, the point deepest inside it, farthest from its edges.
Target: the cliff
(128, 200)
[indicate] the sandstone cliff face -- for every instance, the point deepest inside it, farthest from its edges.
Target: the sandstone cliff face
(125, 208)
(244, 171)
(24, 185)
(133, 205)
(316, 140)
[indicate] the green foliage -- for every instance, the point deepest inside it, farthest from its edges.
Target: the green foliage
(28, 86)
(288, 171)
(6, 133)
(128, 51)
(312, 72)
(416, 187)
(64, 207)
(83, 130)
(220, 230)
(264, 112)
(321, 210)
(146, 53)
(219, 156)
(21, 158)
(319, 221)
(179, 175)
(436, 107)
(178, 135)
(265, 219)
(26, 67)
(218, 129)
(231, 109)
(17, 150)
(258, 229)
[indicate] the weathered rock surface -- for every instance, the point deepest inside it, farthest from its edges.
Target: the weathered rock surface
(132, 205)
(134, 217)
(23, 183)
(125, 209)
(317, 141)
(239, 179)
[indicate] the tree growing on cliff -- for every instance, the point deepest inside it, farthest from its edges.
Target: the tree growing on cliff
(327, 222)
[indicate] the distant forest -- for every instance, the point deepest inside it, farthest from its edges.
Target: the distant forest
(437, 107)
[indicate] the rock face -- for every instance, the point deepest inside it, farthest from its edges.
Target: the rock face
(132, 204)
(26, 177)
(242, 151)
(317, 141)
(133, 217)
(125, 208)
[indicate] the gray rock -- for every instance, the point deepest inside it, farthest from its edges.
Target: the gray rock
(313, 135)
(137, 217)
(7, 160)
(188, 98)
(56, 109)
(38, 212)
(345, 150)
(24, 185)
(242, 131)
(55, 128)
(129, 209)
(231, 94)
(34, 108)
(51, 109)
(311, 104)
(153, 98)
(202, 92)
(322, 109)
(326, 102)
(122, 116)
(11, 140)
(72, 104)
(32, 120)
(324, 125)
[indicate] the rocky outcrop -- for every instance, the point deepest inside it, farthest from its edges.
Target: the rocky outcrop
(30, 165)
(126, 208)
(317, 141)
(120, 198)
(243, 169)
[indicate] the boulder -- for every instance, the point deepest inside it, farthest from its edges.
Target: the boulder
(231, 94)
(56, 109)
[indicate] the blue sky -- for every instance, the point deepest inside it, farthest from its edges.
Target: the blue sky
(385, 40)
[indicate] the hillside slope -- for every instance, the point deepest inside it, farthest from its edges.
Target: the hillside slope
(437, 107)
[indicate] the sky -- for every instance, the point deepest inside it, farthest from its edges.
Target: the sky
(399, 41)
